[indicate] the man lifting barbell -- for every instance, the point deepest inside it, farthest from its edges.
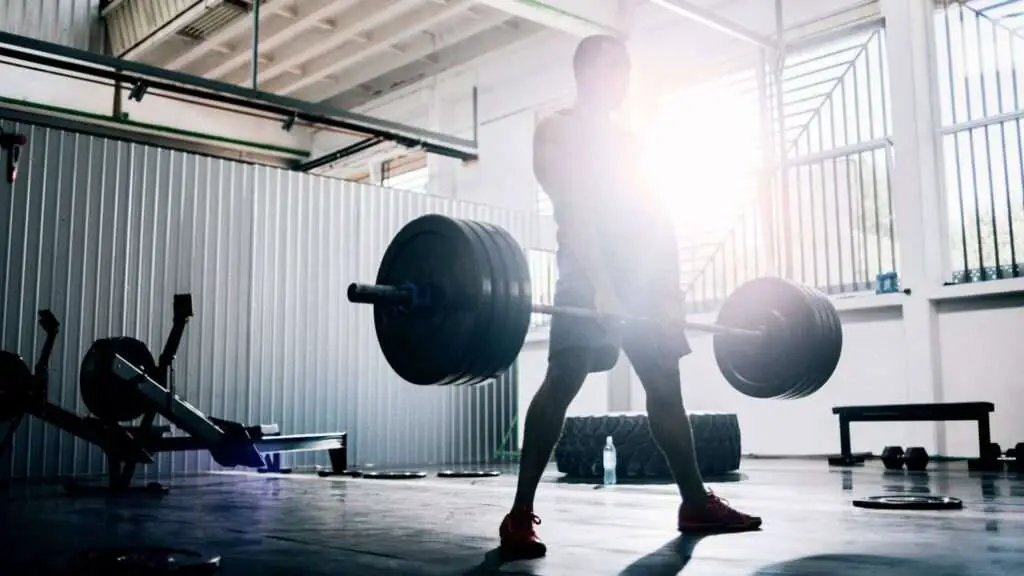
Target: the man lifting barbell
(617, 253)
(452, 304)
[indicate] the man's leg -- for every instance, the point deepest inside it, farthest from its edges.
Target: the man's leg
(576, 347)
(669, 423)
(545, 417)
(658, 370)
(567, 369)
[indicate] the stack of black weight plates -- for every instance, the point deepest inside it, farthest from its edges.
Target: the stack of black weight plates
(580, 449)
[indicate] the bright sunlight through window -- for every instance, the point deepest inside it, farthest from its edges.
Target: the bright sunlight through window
(702, 153)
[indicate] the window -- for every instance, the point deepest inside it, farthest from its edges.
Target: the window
(409, 173)
(980, 66)
(830, 226)
(412, 181)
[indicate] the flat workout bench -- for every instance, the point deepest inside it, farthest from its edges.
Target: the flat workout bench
(977, 411)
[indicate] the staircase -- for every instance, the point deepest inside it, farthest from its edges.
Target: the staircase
(694, 259)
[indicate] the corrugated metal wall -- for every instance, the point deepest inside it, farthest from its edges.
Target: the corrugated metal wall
(72, 23)
(105, 233)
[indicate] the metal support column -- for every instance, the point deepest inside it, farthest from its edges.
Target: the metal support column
(778, 68)
(918, 196)
(765, 263)
(255, 44)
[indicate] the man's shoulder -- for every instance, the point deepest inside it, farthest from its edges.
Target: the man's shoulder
(555, 121)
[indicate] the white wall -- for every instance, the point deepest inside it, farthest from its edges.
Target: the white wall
(981, 362)
(72, 23)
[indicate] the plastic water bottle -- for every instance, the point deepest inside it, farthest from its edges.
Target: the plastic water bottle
(609, 461)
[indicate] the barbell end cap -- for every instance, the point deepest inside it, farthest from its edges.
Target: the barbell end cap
(352, 292)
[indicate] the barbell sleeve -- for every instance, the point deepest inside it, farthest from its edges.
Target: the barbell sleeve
(405, 296)
(377, 294)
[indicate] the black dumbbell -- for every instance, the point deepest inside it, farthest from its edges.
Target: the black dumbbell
(914, 458)
(892, 457)
(1015, 458)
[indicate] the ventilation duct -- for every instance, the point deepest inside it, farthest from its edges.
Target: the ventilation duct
(135, 26)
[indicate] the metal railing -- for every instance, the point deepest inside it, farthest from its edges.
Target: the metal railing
(980, 51)
(543, 276)
(734, 260)
(829, 223)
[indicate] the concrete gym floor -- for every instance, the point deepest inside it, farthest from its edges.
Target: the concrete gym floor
(302, 524)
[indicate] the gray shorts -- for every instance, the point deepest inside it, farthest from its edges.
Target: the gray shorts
(642, 343)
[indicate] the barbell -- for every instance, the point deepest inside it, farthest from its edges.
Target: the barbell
(452, 303)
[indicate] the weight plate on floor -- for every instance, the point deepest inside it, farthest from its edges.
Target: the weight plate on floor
(485, 358)
(15, 383)
(107, 396)
(793, 354)
(144, 560)
(521, 296)
(909, 503)
(429, 345)
(394, 475)
(468, 474)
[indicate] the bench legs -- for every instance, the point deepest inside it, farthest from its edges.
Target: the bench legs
(986, 459)
(844, 437)
(846, 456)
(988, 454)
(984, 436)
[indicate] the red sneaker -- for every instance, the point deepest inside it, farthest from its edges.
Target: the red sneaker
(518, 538)
(714, 516)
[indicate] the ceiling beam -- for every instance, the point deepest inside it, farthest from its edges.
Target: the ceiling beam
(688, 9)
(438, 66)
(576, 17)
(419, 49)
(355, 25)
(306, 17)
(394, 32)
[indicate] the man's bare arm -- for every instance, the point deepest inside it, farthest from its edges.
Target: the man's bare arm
(554, 164)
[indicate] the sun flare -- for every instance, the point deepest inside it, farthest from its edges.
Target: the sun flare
(701, 156)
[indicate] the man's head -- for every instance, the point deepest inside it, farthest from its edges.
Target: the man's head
(602, 67)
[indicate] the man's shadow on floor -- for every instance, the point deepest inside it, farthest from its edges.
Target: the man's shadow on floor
(493, 561)
(670, 558)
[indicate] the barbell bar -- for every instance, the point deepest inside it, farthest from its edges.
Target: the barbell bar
(452, 304)
(406, 298)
